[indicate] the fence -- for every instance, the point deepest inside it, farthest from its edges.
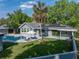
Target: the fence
(68, 55)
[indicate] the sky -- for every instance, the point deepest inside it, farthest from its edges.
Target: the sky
(8, 6)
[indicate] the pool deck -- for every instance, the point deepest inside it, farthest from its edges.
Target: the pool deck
(26, 40)
(19, 41)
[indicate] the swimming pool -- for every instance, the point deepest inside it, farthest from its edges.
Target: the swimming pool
(11, 38)
(17, 38)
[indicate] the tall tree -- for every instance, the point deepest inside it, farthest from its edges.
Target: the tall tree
(65, 11)
(3, 21)
(40, 14)
(58, 12)
(16, 18)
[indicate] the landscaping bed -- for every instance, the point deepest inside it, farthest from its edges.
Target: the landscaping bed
(34, 49)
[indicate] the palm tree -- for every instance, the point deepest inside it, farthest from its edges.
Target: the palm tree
(40, 14)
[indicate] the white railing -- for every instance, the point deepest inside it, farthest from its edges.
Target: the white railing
(58, 37)
(66, 55)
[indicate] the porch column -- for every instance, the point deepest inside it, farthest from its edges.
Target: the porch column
(72, 34)
(49, 33)
(38, 32)
(60, 33)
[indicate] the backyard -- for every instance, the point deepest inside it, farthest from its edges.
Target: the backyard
(32, 49)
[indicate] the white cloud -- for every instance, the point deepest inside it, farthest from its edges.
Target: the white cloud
(28, 4)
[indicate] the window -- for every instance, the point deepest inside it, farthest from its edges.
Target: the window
(27, 29)
(64, 33)
(24, 29)
(56, 33)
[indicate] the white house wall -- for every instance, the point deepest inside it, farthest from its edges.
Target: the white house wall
(49, 33)
(25, 26)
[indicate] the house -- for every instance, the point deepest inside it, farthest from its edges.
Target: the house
(26, 27)
(48, 30)
(4, 29)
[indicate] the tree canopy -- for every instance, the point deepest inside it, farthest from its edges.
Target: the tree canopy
(16, 18)
(65, 12)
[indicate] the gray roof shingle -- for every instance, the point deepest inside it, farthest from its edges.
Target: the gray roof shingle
(3, 27)
(32, 25)
(50, 26)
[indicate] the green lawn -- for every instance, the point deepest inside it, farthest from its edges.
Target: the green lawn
(33, 49)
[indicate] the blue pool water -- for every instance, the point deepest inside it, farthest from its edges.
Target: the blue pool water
(16, 37)
(12, 38)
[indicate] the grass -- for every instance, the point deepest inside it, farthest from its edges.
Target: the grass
(34, 49)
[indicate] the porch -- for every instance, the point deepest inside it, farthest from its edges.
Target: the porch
(55, 34)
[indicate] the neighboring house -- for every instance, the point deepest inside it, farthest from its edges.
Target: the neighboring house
(4, 29)
(48, 30)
